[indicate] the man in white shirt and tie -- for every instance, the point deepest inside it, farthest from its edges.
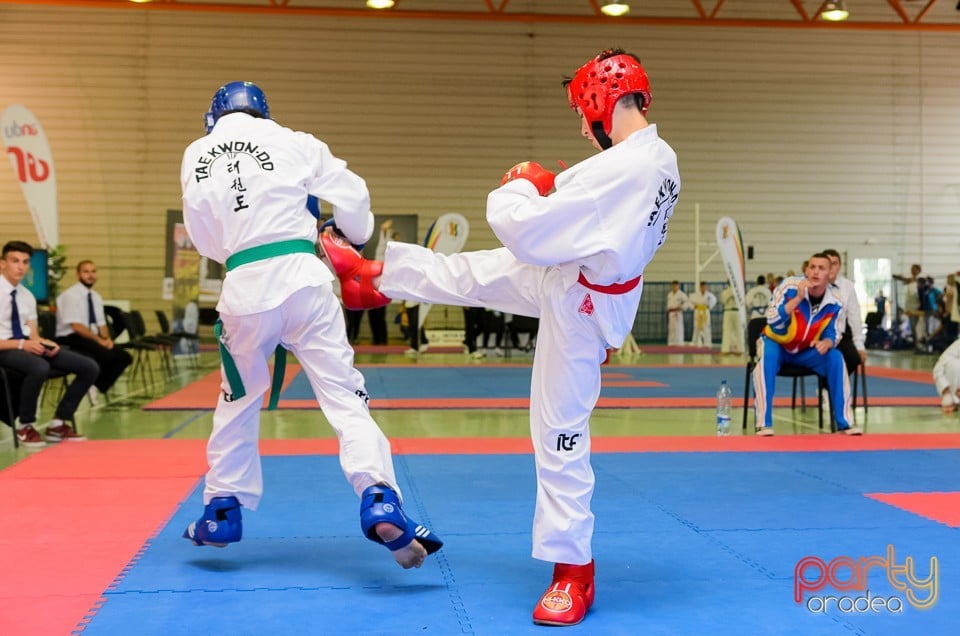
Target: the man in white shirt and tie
(853, 348)
(82, 326)
(24, 351)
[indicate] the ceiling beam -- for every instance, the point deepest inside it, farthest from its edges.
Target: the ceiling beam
(496, 11)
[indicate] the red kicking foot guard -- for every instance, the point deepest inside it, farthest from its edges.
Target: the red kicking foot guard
(356, 273)
(569, 597)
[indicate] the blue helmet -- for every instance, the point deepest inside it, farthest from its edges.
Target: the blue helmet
(237, 96)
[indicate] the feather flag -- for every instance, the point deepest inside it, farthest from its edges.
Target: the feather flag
(730, 244)
(29, 153)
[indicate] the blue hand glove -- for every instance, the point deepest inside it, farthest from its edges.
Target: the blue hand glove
(333, 224)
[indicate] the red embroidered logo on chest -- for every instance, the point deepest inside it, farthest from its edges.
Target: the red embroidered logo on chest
(586, 307)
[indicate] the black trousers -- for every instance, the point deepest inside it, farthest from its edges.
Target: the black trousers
(36, 370)
(378, 324)
(472, 326)
(353, 317)
(493, 323)
(851, 357)
(416, 337)
(112, 362)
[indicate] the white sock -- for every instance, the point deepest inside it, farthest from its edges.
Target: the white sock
(55, 423)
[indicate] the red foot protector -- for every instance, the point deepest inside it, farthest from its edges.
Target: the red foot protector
(568, 598)
(356, 273)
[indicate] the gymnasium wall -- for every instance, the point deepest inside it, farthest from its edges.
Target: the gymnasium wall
(807, 137)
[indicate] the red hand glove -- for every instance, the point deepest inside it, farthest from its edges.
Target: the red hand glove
(532, 172)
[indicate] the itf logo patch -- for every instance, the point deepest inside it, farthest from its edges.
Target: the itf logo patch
(567, 442)
(586, 307)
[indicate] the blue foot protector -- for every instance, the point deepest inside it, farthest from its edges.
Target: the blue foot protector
(380, 504)
(220, 524)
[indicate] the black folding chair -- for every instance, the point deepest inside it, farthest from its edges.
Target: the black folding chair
(856, 371)
(140, 348)
(516, 326)
(10, 395)
(177, 336)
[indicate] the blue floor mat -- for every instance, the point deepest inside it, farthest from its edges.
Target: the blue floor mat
(514, 382)
(685, 543)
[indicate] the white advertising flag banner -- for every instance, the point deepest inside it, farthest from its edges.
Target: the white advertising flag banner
(29, 154)
(731, 251)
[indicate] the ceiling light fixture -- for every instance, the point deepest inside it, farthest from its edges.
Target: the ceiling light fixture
(615, 9)
(834, 11)
(380, 4)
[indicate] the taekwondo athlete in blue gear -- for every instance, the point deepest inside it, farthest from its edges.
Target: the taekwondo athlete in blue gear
(801, 330)
(246, 192)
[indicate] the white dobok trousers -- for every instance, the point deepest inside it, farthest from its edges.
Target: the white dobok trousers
(576, 327)
(309, 324)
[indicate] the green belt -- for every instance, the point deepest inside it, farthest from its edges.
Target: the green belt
(243, 257)
(260, 252)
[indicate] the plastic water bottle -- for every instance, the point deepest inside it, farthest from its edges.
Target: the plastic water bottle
(723, 409)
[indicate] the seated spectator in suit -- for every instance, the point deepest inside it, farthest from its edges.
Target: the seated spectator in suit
(946, 375)
(23, 350)
(82, 326)
(802, 330)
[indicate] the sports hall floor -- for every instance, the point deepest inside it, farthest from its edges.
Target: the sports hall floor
(695, 534)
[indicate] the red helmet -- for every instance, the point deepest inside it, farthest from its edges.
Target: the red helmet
(598, 84)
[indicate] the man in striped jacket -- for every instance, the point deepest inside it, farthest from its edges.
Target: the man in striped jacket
(802, 330)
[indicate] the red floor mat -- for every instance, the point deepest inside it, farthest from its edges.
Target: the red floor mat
(942, 507)
(75, 515)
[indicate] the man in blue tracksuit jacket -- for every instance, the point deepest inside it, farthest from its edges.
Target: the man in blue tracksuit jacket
(801, 330)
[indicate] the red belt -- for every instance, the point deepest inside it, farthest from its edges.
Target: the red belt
(614, 289)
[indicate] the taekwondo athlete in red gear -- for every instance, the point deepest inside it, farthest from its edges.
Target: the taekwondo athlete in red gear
(572, 258)
(245, 188)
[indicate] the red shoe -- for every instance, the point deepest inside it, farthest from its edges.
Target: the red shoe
(63, 433)
(356, 273)
(569, 597)
(29, 437)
